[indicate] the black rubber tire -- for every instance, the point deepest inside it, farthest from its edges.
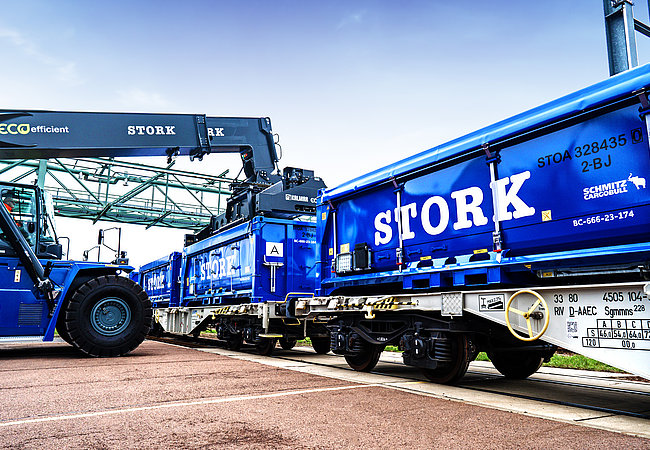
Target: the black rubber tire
(63, 333)
(366, 360)
(266, 346)
(321, 345)
(453, 372)
(287, 344)
(109, 290)
(516, 365)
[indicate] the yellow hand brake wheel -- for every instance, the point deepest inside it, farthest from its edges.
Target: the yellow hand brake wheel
(528, 315)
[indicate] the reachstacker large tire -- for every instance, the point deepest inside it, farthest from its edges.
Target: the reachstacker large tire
(108, 316)
(63, 331)
(365, 360)
(516, 365)
(321, 345)
(453, 371)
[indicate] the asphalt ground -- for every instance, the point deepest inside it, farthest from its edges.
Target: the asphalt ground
(163, 396)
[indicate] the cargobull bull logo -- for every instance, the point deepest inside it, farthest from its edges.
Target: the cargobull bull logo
(613, 187)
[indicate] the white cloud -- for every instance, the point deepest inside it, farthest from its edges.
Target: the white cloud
(65, 71)
(352, 19)
(142, 99)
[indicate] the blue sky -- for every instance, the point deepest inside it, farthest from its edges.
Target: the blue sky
(349, 85)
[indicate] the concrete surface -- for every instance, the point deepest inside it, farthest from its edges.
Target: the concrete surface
(163, 396)
(487, 385)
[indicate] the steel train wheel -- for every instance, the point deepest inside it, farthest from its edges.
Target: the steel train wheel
(321, 345)
(287, 344)
(365, 360)
(156, 330)
(452, 372)
(266, 346)
(234, 342)
(516, 365)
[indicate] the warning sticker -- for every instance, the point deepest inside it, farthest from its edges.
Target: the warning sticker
(494, 302)
(274, 249)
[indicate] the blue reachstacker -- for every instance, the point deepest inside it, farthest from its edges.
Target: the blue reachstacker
(95, 306)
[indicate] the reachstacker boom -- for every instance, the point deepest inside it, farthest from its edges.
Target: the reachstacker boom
(90, 304)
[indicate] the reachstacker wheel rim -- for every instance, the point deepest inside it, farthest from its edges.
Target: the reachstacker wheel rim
(527, 315)
(110, 316)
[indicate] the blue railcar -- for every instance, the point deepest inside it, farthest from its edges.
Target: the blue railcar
(508, 240)
(560, 187)
(134, 276)
(240, 282)
(160, 279)
(265, 259)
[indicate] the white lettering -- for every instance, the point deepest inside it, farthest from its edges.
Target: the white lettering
(231, 264)
(384, 232)
(473, 207)
(215, 132)
(141, 130)
(156, 281)
(222, 266)
(444, 215)
(407, 212)
(468, 202)
(509, 197)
